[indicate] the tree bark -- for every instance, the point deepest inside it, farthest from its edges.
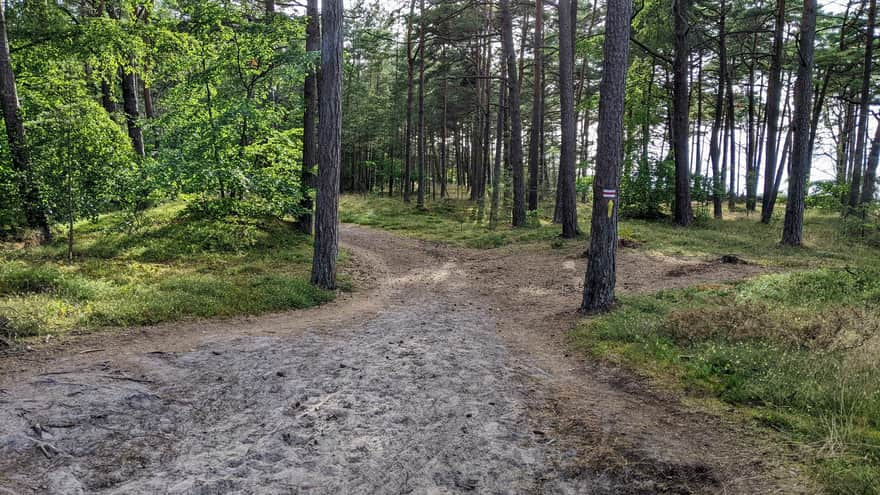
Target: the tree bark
(681, 103)
(326, 244)
(130, 107)
(310, 124)
(774, 93)
(28, 188)
(792, 233)
(602, 263)
(566, 192)
(410, 70)
(420, 199)
(714, 143)
(516, 154)
(867, 193)
(537, 106)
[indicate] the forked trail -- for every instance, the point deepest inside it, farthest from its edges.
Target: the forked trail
(451, 374)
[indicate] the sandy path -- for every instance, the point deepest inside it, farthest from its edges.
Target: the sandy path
(451, 375)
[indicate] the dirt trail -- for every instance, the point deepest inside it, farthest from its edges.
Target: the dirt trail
(450, 375)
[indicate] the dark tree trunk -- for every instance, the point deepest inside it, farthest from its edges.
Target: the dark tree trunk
(410, 70)
(774, 93)
(444, 158)
(28, 189)
(867, 194)
(792, 233)
(566, 191)
(330, 145)
(130, 106)
(681, 103)
(715, 142)
(420, 199)
(602, 263)
(499, 145)
(107, 97)
(149, 111)
(731, 129)
(516, 154)
(537, 107)
(310, 124)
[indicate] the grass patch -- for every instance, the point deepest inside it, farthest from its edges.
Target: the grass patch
(798, 351)
(173, 266)
(461, 223)
(456, 222)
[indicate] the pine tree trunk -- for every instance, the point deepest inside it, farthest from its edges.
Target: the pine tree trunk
(537, 107)
(601, 273)
(774, 93)
(714, 143)
(420, 199)
(28, 189)
(792, 233)
(310, 124)
(516, 153)
(681, 105)
(410, 71)
(329, 147)
(566, 191)
(867, 193)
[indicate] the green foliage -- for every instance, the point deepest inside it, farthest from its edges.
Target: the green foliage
(827, 195)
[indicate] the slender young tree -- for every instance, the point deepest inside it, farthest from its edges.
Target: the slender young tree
(310, 124)
(537, 106)
(28, 189)
(792, 233)
(602, 264)
(567, 193)
(774, 94)
(681, 106)
(330, 147)
(516, 153)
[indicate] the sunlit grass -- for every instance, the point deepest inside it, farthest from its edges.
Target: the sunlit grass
(170, 267)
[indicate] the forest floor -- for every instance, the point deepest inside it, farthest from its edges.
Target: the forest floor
(451, 371)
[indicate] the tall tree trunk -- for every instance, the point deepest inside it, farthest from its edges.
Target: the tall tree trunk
(28, 188)
(310, 124)
(714, 143)
(774, 93)
(443, 127)
(602, 263)
(681, 103)
(330, 145)
(567, 191)
(792, 233)
(867, 194)
(420, 199)
(537, 107)
(499, 145)
(410, 70)
(731, 129)
(516, 154)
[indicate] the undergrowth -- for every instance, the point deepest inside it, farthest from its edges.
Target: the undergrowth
(798, 351)
(173, 265)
